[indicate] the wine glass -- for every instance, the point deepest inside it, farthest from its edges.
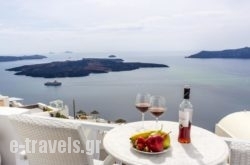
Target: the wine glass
(142, 104)
(157, 107)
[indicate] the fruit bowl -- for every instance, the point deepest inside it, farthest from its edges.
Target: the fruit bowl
(152, 153)
(151, 142)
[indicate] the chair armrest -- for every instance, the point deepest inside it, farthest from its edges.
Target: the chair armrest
(22, 155)
(229, 140)
(109, 160)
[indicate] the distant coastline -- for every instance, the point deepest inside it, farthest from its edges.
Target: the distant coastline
(17, 58)
(80, 68)
(67, 51)
(241, 53)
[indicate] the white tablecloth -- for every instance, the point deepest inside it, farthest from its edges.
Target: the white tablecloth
(206, 148)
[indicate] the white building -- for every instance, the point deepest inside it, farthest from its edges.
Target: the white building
(4, 101)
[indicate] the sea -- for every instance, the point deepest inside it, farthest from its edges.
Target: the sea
(218, 86)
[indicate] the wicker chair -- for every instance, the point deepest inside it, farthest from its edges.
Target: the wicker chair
(47, 130)
(239, 151)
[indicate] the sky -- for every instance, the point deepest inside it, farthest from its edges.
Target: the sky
(40, 26)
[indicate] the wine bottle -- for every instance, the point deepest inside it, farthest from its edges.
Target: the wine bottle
(185, 117)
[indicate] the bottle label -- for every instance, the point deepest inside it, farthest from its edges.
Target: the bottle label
(190, 113)
(184, 118)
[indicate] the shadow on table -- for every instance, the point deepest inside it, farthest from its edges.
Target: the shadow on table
(160, 158)
(154, 158)
(193, 153)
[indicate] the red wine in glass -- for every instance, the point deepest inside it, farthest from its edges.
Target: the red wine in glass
(142, 104)
(157, 112)
(157, 107)
(143, 107)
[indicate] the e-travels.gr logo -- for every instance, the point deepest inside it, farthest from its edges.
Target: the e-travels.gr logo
(54, 146)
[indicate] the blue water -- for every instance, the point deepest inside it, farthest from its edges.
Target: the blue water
(219, 86)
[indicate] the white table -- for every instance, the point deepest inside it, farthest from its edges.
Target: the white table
(206, 148)
(7, 134)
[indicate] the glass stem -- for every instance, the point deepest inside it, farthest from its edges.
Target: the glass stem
(156, 119)
(142, 119)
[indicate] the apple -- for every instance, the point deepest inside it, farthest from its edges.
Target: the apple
(155, 143)
(165, 136)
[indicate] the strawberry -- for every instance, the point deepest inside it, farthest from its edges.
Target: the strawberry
(140, 143)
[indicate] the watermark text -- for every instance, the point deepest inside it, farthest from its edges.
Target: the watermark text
(54, 146)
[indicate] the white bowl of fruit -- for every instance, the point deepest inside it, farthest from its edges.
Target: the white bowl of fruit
(151, 141)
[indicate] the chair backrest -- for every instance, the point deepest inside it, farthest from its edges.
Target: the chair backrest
(48, 132)
(239, 151)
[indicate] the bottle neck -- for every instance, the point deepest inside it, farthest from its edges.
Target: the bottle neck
(186, 93)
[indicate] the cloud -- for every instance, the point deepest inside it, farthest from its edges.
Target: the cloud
(123, 24)
(117, 28)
